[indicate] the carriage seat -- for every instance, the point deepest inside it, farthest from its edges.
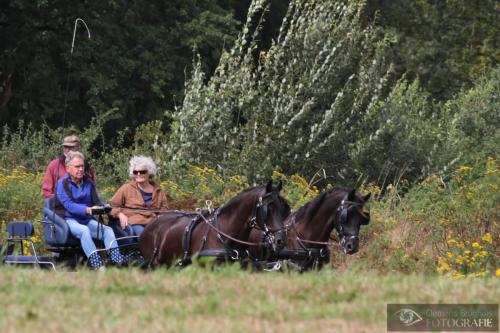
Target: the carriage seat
(57, 233)
(20, 235)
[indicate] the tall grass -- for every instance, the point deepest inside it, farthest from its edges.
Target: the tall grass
(222, 300)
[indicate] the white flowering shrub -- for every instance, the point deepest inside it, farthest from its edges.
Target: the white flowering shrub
(325, 96)
(298, 107)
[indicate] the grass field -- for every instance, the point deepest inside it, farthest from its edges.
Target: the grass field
(222, 300)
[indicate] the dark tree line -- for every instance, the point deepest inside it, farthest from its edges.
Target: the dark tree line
(134, 63)
(140, 51)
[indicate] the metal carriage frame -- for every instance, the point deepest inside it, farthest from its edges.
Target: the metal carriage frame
(65, 249)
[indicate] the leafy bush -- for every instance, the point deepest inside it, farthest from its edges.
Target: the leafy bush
(298, 107)
(205, 184)
(30, 147)
(449, 226)
(21, 200)
(422, 230)
(34, 148)
(332, 93)
(403, 136)
(462, 259)
(473, 121)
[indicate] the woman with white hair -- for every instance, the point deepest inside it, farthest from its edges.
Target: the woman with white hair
(135, 202)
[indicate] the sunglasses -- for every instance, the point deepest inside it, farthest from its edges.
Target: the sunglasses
(140, 172)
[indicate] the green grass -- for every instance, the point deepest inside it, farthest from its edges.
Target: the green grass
(224, 300)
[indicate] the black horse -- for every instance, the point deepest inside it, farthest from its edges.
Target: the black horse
(310, 227)
(222, 233)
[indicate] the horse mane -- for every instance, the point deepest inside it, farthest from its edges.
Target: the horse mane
(313, 206)
(236, 199)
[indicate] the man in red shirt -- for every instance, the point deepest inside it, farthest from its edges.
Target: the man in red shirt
(57, 169)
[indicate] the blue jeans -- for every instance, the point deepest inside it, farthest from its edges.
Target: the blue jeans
(114, 223)
(138, 229)
(86, 232)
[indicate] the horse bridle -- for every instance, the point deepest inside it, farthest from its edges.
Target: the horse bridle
(343, 212)
(259, 218)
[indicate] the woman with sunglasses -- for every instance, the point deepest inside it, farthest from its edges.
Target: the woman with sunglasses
(136, 203)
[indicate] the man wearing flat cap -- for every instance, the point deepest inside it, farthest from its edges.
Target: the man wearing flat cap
(57, 169)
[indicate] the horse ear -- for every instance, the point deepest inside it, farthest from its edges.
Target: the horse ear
(269, 186)
(367, 197)
(280, 186)
(352, 195)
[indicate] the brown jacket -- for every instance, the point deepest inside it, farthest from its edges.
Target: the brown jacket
(129, 196)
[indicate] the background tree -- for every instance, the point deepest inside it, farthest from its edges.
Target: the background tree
(134, 63)
(340, 90)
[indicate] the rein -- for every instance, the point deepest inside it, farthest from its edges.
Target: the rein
(342, 210)
(156, 211)
(213, 224)
(301, 240)
(208, 222)
(253, 221)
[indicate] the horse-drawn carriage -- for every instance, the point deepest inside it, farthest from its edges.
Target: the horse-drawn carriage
(254, 227)
(64, 248)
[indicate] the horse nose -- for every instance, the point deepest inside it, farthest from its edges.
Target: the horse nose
(280, 240)
(351, 248)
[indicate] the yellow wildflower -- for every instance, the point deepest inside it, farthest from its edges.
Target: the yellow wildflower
(464, 168)
(497, 273)
(476, 245)
(277, 174)
(481, 254)
(487, 238)
(452, 242)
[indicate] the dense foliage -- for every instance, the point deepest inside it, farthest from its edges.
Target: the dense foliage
(134, 63)
(336, 92)
(397, 98)
(446, 226)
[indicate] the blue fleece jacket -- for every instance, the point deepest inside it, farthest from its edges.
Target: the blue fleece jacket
(82, 198)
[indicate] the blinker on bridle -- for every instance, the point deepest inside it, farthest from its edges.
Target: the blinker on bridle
(343, 214)
(259, 219)
(261, 214)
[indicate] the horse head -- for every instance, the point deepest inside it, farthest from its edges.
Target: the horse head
(349, 219)
(272, 210)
